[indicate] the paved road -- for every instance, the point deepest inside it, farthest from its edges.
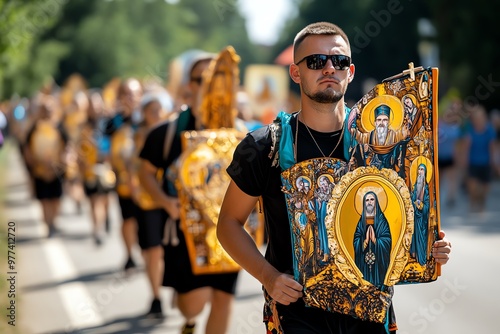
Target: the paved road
(68, 285)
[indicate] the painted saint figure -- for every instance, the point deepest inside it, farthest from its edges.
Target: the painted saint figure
(319, 204)
(372, 241)
(304, 186)
(410, 111)
(383, 147)
(382, 135)
(421, 203)
(305, 232)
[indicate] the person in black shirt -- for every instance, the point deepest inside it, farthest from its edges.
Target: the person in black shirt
(120, 129)
(150, 217)
(193, 291)
(323, 70)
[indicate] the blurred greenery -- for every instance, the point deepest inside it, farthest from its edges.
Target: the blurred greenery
(105, 39)
(21, 25)
(384, 38)
(102, 39)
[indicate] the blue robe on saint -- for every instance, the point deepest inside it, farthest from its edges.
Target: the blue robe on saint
(419, 241)
(380, 250)
(319, 206)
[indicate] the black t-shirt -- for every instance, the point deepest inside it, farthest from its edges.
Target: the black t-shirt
(251, 170)
(115, 122)
(153, 148)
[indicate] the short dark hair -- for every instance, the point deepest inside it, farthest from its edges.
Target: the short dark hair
(206, 57)
(318, 28)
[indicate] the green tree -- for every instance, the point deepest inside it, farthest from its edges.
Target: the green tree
(105, 39)
(383, 35)
(139, 38)
(467, 36)
(21, 24)
(385, 38)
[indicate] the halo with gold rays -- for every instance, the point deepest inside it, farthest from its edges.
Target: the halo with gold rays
(330, 177)
(367, 187)
(368, 112)
(302, 177)
(414, 166)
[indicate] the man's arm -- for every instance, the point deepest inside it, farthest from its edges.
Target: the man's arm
(235, 210)
(147, 178)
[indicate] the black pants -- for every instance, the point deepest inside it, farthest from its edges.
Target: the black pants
(315, 321)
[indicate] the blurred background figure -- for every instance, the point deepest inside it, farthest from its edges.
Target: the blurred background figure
(448, 137)
(95, 170)
(121, 128)
(193, 291)
(75, 104)
(44, 153)
(245, 112)
(156, 106)
(479, 148)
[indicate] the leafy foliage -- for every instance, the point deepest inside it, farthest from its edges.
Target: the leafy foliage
(104, 39)
(384, 37)
(21, 24)
(120, 38)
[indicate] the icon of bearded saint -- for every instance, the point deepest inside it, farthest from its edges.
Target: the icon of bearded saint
(421, 203)
(372, 241)
(383, 135)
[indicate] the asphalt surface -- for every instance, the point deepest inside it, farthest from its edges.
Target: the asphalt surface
(67, 284)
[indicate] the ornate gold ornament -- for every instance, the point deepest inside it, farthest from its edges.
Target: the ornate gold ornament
(121, 154)
(202, 177)
(47, 148)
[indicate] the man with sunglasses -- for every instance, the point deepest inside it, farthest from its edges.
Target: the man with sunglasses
(323, 69)
(161, 150)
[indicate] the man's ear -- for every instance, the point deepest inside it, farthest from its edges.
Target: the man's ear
(350, 72)
(294, 73)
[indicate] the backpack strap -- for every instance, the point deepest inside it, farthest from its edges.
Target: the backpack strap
(175, 126)
(169, 137)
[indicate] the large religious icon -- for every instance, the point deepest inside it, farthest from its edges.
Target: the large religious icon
(395, 126)
(267, 88)
(361, 227)
(202, 177)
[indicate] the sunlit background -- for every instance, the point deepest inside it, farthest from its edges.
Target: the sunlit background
(102, 39)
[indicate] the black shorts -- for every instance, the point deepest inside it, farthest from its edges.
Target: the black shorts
(48, 190)
(302, 320)
(151, 225)
(480, 173)
(178, 273)
(128, 207)
(95, 188)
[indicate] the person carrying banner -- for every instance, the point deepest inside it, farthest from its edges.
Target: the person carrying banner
(323, 69)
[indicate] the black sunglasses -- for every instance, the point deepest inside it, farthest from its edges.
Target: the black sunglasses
(196, 80)
(318, 61)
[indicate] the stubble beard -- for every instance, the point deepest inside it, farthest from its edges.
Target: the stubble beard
(329, 95)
